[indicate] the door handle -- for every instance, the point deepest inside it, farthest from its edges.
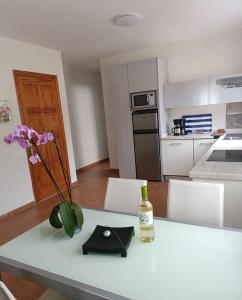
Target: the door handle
(175, 143)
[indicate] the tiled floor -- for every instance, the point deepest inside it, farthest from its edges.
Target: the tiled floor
(89, 192)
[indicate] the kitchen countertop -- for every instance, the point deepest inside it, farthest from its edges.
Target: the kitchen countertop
(187, 137)
(218, 169)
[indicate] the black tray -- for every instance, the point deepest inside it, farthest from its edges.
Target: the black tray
(118, 241)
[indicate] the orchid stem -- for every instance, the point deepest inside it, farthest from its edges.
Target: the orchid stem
(66, 176)
(48, 172)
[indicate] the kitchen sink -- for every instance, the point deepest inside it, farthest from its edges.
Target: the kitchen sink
(233, 136)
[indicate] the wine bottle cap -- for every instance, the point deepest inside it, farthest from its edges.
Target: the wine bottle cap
(144, 192)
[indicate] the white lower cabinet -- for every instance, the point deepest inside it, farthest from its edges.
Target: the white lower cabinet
(177, 157)
(201, 147)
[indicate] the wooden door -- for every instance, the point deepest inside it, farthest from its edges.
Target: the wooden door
(40, 109)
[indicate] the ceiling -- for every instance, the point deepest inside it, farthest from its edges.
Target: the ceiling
(83, 30)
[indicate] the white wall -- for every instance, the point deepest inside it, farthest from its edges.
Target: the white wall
(15, 181)
(217, 55)
(85, 101)
(218, 112)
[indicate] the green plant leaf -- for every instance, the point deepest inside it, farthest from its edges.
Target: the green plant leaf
(67, 218)
(78, 214)
(54, 217)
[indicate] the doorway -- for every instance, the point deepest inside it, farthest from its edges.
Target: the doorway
(40, 108)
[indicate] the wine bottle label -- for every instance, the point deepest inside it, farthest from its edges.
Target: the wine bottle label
(146, 218)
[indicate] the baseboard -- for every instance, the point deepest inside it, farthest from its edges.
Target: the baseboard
(74, 184)
(19, 209)
(95, 164)
(33, 203)
(168, 177)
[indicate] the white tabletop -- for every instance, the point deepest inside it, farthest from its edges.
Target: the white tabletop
(184, 262)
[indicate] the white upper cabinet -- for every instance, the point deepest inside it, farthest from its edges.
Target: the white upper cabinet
(186, 93)
(123, 122)
(226, 89)
(143, 75)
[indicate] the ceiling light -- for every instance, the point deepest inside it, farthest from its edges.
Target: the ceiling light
(131, 19)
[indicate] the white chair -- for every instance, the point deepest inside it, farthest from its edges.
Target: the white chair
(5, 294)
(123, 195)
(196, 202)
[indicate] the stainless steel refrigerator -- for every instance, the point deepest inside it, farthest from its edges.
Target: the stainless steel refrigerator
(147, 144)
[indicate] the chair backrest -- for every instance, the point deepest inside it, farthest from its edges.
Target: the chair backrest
(123, 195)
(196, 202)
(5, 294)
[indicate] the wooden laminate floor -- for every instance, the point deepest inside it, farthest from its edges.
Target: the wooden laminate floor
(89, 192)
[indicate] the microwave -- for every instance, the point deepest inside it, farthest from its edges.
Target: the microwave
(143, 100)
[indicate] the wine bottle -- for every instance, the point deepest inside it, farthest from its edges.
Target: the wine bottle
(146, 217)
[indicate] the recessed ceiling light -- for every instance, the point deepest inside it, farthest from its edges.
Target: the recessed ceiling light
(131, 19)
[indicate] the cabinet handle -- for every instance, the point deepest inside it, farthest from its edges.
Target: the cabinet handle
(175, 143)
(205, 143)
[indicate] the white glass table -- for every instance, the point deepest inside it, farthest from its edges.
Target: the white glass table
(184, 262)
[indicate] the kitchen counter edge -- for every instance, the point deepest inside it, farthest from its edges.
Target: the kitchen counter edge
(187, 137)
(218, 170)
